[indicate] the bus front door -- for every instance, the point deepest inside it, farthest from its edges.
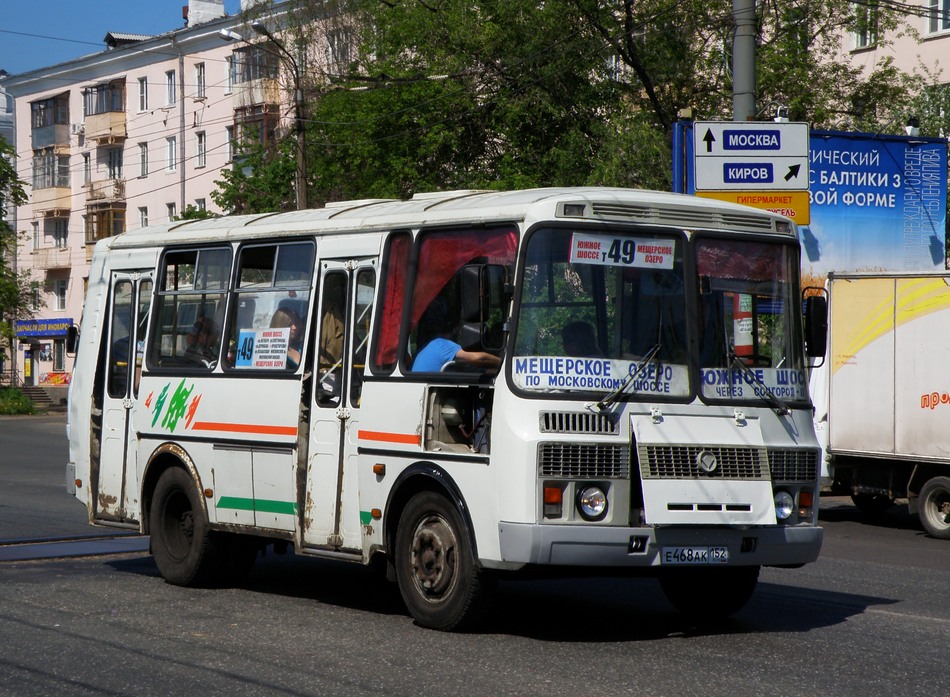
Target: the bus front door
(332, 518)
(119, 378)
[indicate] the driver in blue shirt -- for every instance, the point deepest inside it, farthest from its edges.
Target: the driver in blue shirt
(442, 347)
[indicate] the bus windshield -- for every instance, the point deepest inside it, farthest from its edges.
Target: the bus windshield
(600, 311)
(597, 308)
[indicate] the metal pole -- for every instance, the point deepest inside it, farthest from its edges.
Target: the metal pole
(743, 61)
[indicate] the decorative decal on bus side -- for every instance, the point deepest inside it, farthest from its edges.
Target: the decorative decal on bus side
(178, 406)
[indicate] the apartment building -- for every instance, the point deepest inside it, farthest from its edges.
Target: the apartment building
(927, 44)
(119, 139)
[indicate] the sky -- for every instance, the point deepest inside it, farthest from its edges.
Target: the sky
(39, 33)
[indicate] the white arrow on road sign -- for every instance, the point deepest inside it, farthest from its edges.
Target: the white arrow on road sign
(750, 155)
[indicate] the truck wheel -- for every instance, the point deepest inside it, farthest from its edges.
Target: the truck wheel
(435, 566)
(182, 544)
(872, 504)
(934, 507)
(709, 594)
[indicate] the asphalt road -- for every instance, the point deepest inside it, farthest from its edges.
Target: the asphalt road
(871, 617)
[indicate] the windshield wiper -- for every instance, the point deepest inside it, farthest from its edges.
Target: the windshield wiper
(769, 397)
(612, 397)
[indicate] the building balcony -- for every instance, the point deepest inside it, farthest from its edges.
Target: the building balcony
(265, 90)
(105, 190)
(52, 258)
(52, 202)
(106, 128)
(55, 135)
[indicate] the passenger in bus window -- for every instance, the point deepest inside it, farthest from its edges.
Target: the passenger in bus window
(580, 340)
(441, 349)
(285, 317)
(203, 342)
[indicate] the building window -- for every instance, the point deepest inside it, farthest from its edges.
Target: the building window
(938, 14)
(171, 154)
(864, 34)
(115, 163)
(143, 217)
(104, 98)
(201, 149)
(60, 232)
(86, 168)
(229, 148)
(49, 169)
(253, 63)
(172, 210)
(200, 80)
(35, 296)
(104, 220)
(258, 123)
(143, 94)
(229, 78)
(49, 112)
(171, 88)
(36, 234)
(59, 355)
(339, 49)
(200, 204)
(143, 159)
(59, 292)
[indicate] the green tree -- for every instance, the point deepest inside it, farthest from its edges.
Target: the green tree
(16, 288)
(443, 94)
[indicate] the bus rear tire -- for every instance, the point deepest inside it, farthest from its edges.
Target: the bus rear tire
(934, 507)
(709, 594)
(182, 543)
(435, 566)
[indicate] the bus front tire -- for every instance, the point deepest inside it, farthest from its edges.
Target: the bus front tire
(709, 594)
(934, 507)
(435, 566)
(182, 543)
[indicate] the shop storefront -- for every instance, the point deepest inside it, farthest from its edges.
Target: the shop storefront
(42, 343)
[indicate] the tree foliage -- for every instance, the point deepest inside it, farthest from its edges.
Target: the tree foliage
(443, 94)
(15, 285)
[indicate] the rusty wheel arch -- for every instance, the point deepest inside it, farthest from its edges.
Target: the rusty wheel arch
(164, 457)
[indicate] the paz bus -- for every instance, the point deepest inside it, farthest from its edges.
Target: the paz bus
(252, 381)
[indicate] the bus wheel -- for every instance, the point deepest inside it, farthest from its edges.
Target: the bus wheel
(709, 594)
(182, 544)
(435, 566)
(934, 507)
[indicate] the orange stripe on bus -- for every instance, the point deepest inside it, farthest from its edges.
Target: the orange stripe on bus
(408, 438)
(245, 428)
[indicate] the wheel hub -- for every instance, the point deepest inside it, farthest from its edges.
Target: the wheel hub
(433, 557)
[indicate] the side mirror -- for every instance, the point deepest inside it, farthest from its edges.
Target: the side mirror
(72, 339)
(816, 326)
(483, 307)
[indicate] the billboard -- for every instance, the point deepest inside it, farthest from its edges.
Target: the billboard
(878, 203)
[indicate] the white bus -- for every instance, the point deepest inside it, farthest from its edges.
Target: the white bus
(465, 385)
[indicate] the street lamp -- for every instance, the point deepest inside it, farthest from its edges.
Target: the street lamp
(300, 132)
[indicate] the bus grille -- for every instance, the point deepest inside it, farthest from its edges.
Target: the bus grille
(680, 217)
(582, 422)
(682, 462)
(583, 461)
(793, 465)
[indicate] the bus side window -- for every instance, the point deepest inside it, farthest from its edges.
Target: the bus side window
(121, 337)
(365, 293)
(332, 333)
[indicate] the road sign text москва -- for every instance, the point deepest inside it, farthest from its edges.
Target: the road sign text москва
(750, 156)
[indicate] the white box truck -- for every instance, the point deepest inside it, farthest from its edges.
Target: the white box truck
(883, 394)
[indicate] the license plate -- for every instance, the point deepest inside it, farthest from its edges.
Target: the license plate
(694, 555)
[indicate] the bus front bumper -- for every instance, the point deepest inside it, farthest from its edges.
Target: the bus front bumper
(602, 546)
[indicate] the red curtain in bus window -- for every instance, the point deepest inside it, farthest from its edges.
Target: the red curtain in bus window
(391, 302)
(442, 254)
(750, 261)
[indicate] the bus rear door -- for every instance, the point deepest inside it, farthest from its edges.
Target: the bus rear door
(130, 297)
(344, 313)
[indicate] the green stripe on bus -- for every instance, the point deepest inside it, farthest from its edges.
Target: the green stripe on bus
(258, 505)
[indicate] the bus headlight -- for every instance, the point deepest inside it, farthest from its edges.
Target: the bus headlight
(784, 505)
(591, 502)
